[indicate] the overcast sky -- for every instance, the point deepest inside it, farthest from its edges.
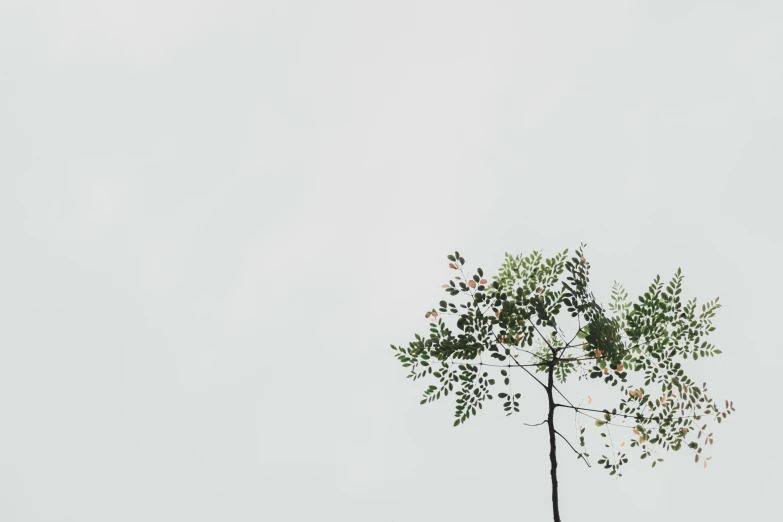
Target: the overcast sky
(216, 216)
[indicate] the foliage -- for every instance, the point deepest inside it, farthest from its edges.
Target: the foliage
(632, 347)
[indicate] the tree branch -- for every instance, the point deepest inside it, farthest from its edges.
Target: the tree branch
(581, 456)
(530, 374)
(628, 416)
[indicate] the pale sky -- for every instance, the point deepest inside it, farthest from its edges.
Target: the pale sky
(217, 216)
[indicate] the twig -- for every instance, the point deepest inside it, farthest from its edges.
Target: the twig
(581, 455)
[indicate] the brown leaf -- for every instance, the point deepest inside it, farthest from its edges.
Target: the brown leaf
(483, 282)
(472, 283)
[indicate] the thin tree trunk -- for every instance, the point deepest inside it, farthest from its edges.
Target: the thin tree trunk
(552, 449)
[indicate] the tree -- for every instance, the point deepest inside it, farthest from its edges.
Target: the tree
(633, 348)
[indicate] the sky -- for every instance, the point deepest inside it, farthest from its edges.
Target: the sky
(217, 216)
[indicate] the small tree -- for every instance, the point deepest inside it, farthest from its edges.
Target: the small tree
(633, 348)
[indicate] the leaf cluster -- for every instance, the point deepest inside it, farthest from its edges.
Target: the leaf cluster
(633, 347)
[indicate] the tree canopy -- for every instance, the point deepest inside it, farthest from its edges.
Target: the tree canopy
(496, 328)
